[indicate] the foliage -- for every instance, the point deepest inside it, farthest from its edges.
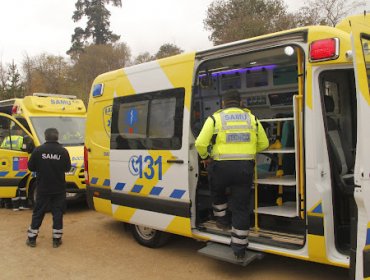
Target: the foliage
(143, 57)
(95, 60)
(97, 26)
(165, 50)
(11, 85)
(14, 86)
(231, 20)
(47, 73)
(329, 12)
(168, 49)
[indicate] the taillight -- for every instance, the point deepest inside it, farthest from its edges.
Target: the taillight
(14, 110)
(325, 49)
(86, 166)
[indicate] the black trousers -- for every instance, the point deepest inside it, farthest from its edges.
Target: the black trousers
(238, 176)
(56, 202)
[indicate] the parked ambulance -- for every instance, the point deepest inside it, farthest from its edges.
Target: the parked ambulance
(309, 87)
(27, 118)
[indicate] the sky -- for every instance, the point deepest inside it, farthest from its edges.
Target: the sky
(32, 27)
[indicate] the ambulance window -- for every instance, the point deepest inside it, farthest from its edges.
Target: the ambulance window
(133, 118)
(11, 135)
(148, 121)
(162, 118)
(331, 89)
(24, 122)
(365, 40)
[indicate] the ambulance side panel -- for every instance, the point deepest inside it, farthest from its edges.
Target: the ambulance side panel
(97, 143)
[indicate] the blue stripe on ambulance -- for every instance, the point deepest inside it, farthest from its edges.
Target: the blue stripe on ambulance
(136, 188)
(368, 237)
(94, 180)
(318, 209)
(106, 183)
(119, 186)
(21, 174)
(4, 173)
(156, 190)
(177, 194)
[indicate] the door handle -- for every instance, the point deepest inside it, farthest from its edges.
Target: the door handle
(179, 161)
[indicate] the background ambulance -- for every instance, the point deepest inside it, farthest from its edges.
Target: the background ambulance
(29, 117)
(309, 87)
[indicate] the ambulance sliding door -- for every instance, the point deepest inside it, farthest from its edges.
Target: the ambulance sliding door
(13, 160)
(149, 160)
(361, 60)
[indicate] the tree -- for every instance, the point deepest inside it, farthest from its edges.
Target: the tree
(95, 60)
(97, 26)
(168, 49)
(14, 85)
(143, 57)
(47, 73)
(329, 12)
(230, 20)
(3, 79)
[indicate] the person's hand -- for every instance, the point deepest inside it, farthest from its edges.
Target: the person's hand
(206, 162)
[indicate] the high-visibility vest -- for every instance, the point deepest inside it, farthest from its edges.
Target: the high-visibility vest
(14, 142)
(237, 135)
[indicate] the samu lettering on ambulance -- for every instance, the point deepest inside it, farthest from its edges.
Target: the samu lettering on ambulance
(60, 102)
(50, 156)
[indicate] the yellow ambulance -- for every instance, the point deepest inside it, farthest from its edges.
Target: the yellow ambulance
(25, 119)
(309, 87)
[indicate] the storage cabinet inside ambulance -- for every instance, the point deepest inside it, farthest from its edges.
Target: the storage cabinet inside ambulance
(271, 86)
(13, 155)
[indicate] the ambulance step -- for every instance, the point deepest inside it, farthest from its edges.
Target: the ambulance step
(225, 253)
(268, 237)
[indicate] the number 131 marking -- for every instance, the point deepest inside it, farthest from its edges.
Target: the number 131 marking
(153, 167)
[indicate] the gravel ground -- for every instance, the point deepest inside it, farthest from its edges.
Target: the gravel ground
(96, 247)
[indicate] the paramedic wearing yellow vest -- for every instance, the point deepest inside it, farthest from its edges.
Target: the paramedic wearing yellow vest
(235, 136)
(14, 142)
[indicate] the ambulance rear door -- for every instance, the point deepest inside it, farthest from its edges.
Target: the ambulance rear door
(361, 58)
(13, 157)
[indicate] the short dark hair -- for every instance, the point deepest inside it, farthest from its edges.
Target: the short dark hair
(231, 98)
(51, 134)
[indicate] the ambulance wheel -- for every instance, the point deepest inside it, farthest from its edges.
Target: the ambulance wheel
(149, 237)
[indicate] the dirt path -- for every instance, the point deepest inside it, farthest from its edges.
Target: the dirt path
(97, 247)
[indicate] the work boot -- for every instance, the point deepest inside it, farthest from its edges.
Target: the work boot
(223, 223)
(31, 242)
(57, 242)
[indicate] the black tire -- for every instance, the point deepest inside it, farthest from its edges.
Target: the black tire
(149, 237)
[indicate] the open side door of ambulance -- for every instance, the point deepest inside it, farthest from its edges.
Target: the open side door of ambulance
(360, 254)
(13, 161)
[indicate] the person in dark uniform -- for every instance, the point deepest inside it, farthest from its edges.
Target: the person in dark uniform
(236, 135)
(50, 161)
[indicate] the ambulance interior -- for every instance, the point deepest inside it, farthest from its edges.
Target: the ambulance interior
(268, 83)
